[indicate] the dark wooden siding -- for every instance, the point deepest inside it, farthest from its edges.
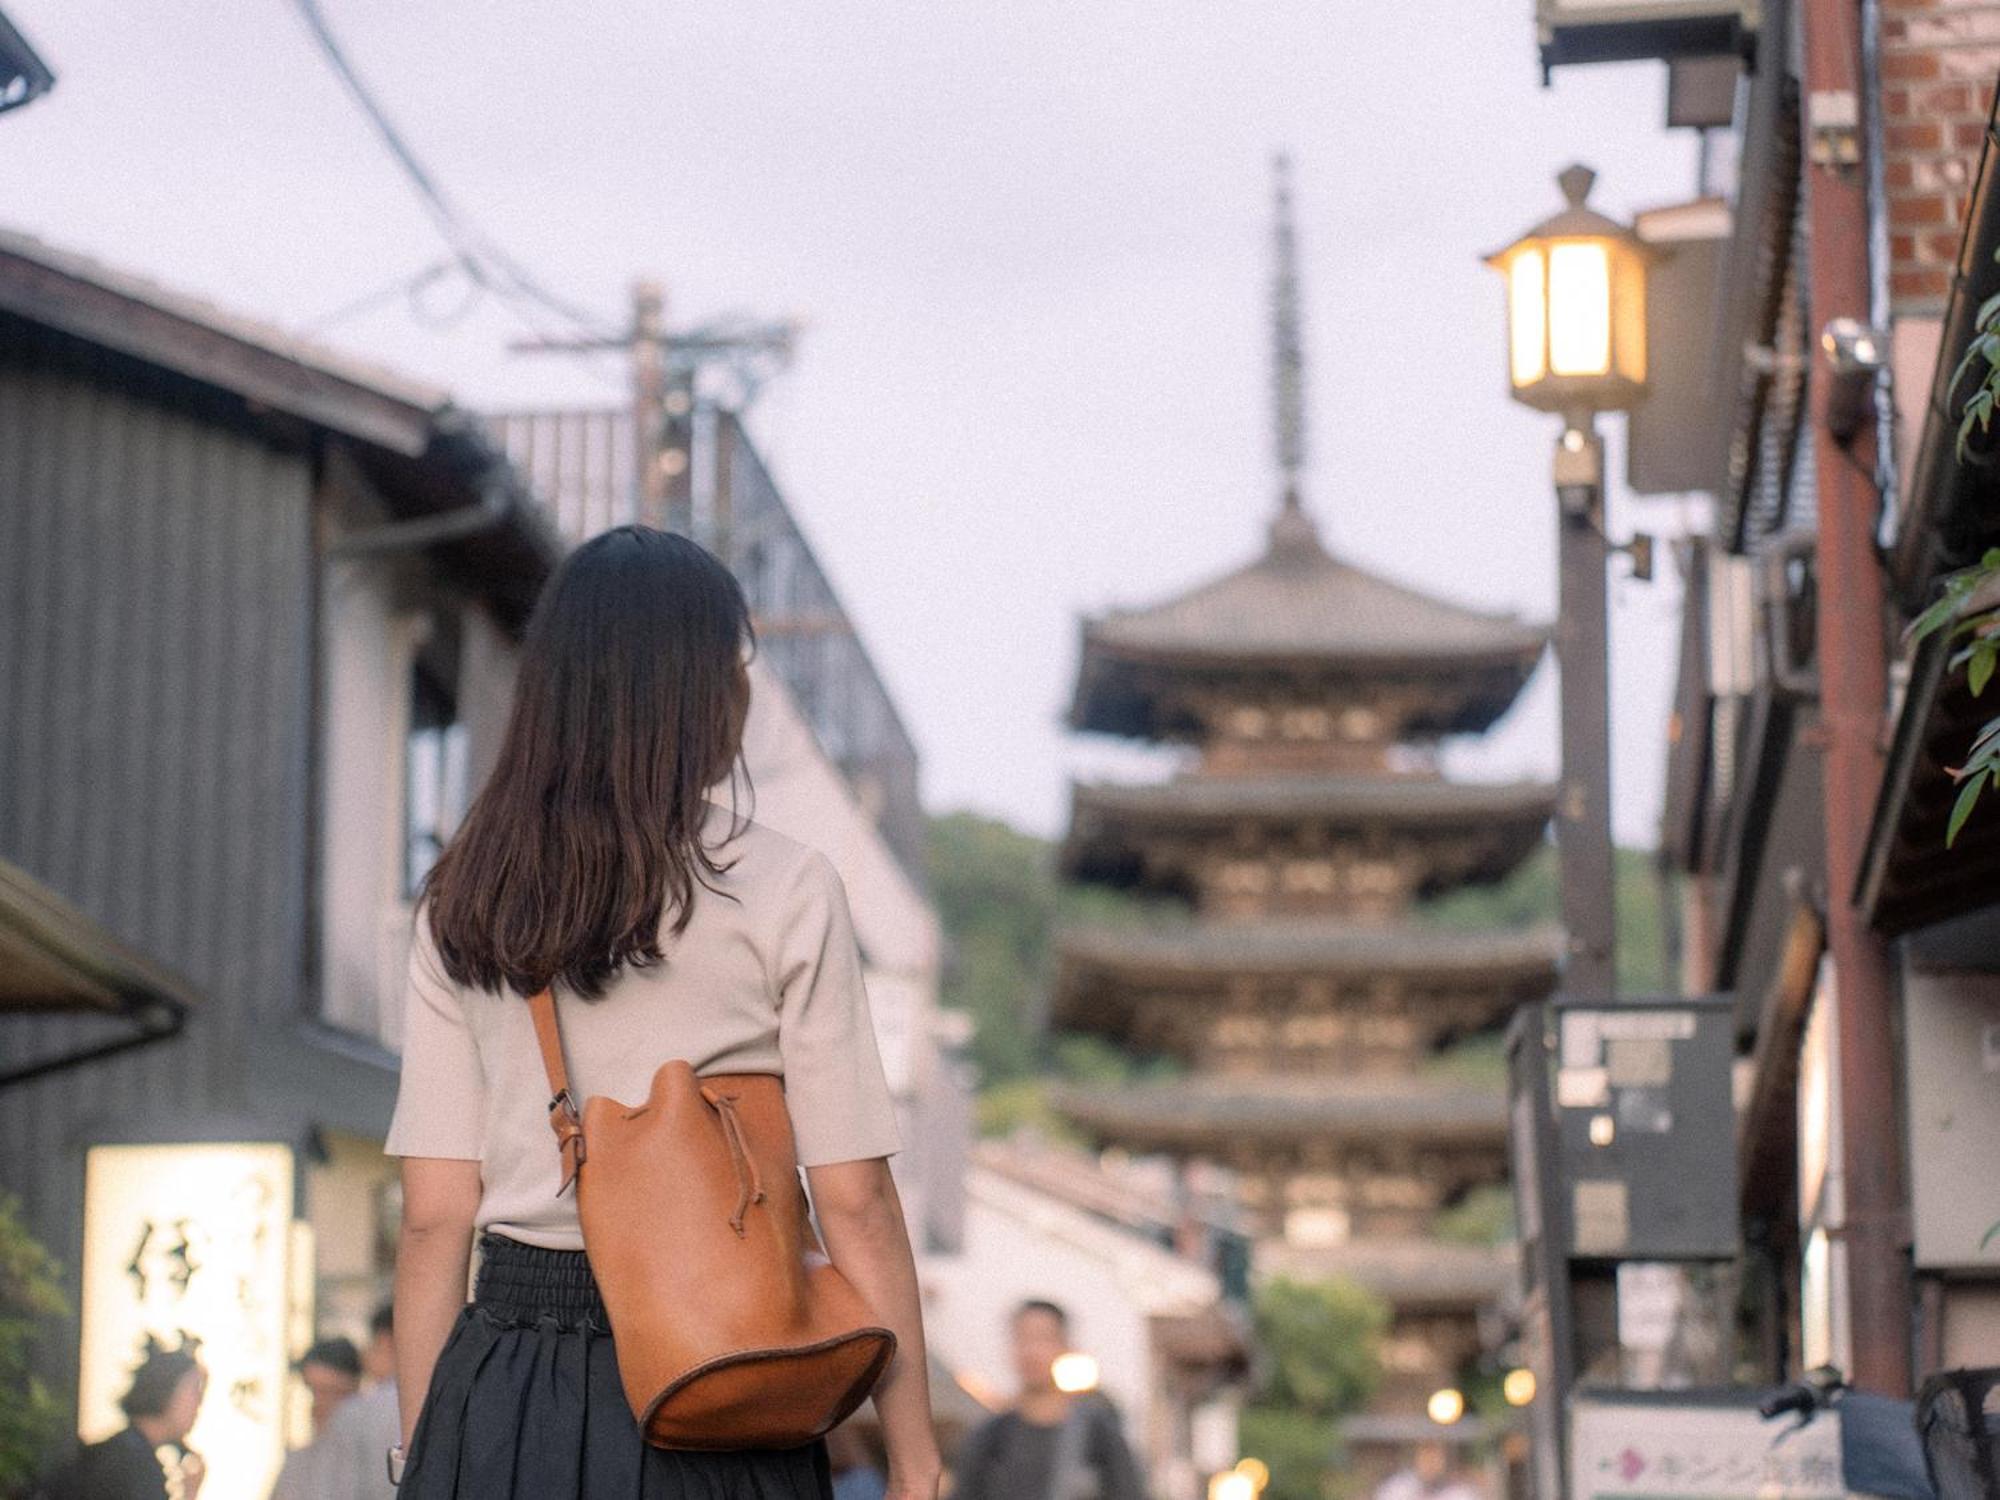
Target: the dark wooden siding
(155, 721)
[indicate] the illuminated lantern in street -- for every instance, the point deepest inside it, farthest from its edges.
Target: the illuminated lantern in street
(1576, 308)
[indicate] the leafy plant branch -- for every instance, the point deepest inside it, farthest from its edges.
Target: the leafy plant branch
(1963, 609)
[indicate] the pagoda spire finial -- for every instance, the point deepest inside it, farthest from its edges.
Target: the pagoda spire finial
(1292, 527)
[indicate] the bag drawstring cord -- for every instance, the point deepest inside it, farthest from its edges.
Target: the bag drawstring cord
(752, 1187)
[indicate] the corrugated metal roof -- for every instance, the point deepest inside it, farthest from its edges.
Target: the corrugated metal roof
(134, 315)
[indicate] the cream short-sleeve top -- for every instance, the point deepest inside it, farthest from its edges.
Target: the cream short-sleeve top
(767, 982)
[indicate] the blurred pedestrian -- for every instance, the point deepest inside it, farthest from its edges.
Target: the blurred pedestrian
(160, 1410)
(331, 1370)
(594, 868)
(1051, 1444)
(856, 1475)
(345, 1461)
(1429, 1476)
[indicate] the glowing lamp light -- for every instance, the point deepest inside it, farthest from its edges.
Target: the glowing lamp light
(1232, 1484)
(1257, 1469)
(1446, 1406)
(1074, 1372)
(1519, 1387)
(1576, 308)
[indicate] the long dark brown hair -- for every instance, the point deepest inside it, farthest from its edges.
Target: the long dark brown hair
(586, 838)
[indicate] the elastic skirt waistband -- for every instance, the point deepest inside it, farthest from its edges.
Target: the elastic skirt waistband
(525, 1283)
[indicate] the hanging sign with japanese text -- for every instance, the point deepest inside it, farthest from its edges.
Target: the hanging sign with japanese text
(191, 1247)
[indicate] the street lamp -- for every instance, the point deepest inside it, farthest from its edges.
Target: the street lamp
(1576, 342)
(1576, 309)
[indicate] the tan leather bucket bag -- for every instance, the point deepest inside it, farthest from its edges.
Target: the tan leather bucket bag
(733, 1328)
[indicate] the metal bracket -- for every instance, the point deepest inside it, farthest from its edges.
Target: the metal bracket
(1833, 128)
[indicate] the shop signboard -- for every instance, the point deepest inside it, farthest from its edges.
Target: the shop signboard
(1696, 1445)
(193, 1246)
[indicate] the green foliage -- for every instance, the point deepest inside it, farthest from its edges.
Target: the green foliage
(1533, 894)
(1484, 1216)
(32, 1419)
(1979, 629)
(1981, 360)
(1323, 1341)
(1478, 1061)
(1017, 1104)
(1001, 904)
(1301, 1450)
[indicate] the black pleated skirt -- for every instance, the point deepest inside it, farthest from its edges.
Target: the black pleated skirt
(525, 1403)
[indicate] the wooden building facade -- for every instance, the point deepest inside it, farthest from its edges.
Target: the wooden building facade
(257, 606)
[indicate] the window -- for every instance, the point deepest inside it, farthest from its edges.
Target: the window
(436, 783)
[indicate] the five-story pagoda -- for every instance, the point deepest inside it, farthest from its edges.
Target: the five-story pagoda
(1308, 1006)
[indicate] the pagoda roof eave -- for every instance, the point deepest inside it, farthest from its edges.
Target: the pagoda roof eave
(1118, 688)
(1356, 799)
(1111, 826)
(1409, 1274)
(1504, 959)
(1298, 601)
(1192, 1116)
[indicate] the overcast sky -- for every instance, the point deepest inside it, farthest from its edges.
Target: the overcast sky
(1029, 242)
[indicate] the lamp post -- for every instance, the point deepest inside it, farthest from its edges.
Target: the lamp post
(1576, 342)
(1576, 346)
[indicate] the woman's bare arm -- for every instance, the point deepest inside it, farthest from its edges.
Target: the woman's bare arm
(861, 1217)
(433, 1257)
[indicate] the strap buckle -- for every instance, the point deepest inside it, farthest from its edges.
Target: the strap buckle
(565, 1101)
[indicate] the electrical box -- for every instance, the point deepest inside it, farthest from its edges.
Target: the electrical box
(1646, 1128)
(1586, 31)
(1952, 1050)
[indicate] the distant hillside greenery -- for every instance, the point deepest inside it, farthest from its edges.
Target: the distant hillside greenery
(1531, 895)
(1001, 905)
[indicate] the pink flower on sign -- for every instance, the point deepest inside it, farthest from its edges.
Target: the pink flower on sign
(1631, 1465)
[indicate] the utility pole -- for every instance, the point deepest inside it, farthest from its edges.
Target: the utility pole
(1853, 672)
(666, 369)
(649, 391)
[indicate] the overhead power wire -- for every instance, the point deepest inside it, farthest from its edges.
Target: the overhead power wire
(486, 264)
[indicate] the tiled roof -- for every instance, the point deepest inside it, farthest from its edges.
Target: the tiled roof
(1340, 799)
(1280, 945)
(1139, 836)
(1408, 1272)
(1299, 600)
(1329, 626)
(1191, 1112)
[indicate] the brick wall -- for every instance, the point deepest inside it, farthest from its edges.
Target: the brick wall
(1940, 59)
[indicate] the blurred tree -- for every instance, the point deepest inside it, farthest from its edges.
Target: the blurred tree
(32, 1419)
(1320, 1344)
(1531, 895)
(1001, 904)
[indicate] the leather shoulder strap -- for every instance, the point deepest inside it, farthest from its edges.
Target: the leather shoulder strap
(549, 1035)
(565, 1117)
